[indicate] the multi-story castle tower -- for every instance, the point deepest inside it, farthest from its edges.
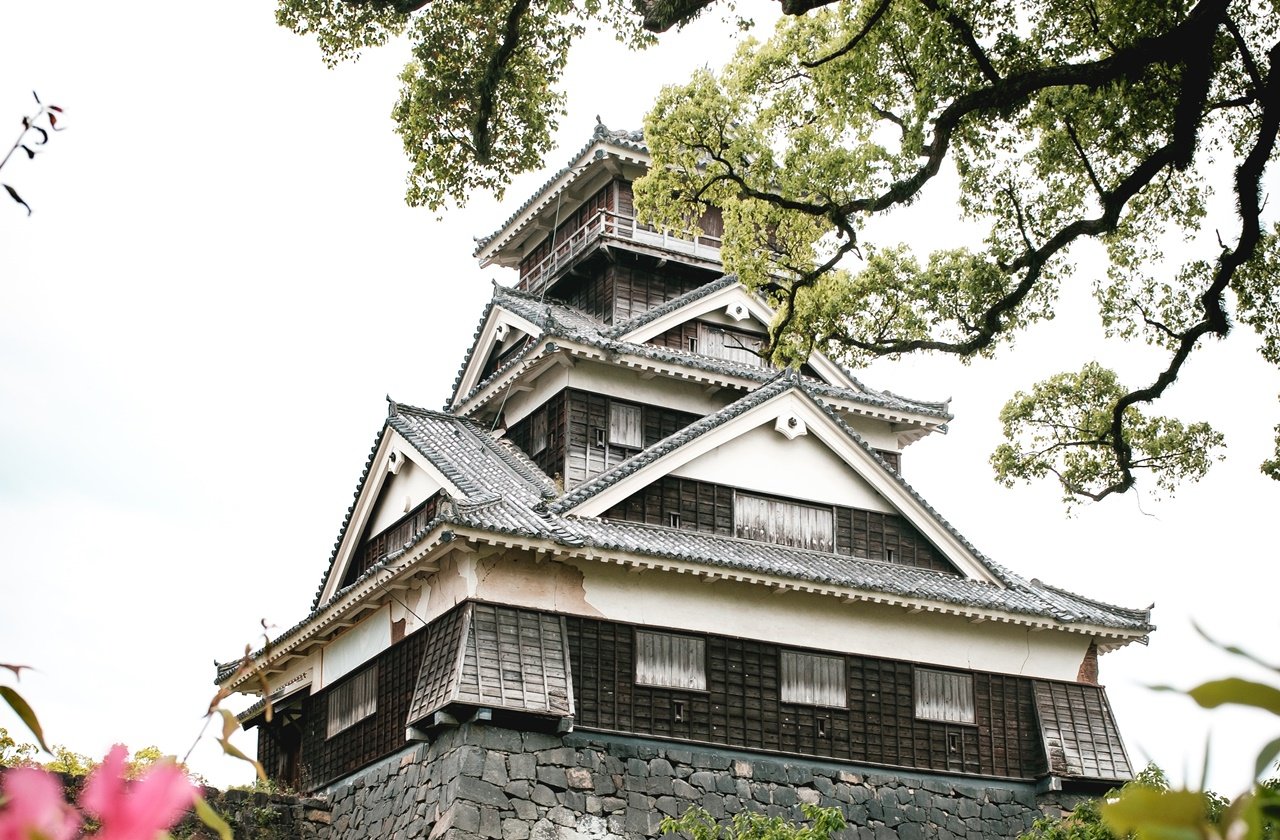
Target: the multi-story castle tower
(631, 567)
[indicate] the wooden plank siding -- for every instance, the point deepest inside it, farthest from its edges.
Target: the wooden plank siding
(578, 440)
(742, 707)
(550, 456)
(559, 665)
(709, 508)
(616, 292)
(325, 759)
(392, 538)
(1080, 734)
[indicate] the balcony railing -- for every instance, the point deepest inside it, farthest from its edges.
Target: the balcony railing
(608, 225)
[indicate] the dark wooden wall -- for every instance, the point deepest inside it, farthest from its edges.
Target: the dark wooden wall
(550, 459)
(619, 290)
(703, 506)
(573, 417)
(376, 546)
(742, 708)
(325, 759)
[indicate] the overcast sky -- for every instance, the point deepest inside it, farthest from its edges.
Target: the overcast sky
(220, 283)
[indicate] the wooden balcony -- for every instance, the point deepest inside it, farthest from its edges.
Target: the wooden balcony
(605, 227)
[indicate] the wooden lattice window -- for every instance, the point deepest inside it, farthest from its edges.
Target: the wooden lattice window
(944, 696)
(665, 659)
(626, 427)
(813, 679)
(352, 701)
(783, 522)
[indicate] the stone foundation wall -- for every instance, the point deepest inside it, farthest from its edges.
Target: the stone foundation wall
(485, 783)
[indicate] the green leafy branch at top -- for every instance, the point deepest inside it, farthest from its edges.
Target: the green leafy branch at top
(1064, 123)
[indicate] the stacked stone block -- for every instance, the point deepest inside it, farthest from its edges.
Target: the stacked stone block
(486, 783)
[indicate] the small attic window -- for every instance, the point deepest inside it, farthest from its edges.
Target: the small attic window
(625, 427)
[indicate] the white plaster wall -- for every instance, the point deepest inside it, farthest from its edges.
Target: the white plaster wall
(668, 599)
(764, 460)
(296, 668)
(355, 647)
(684, 602)
(520, 403)
(401, 493)
(876, 433)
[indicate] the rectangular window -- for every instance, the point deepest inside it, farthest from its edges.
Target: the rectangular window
(813, 679)
(944, 696)
(783, 522)
(538, 432)
(732, 345)
(625, 428)
(665, 659)
(353, 700)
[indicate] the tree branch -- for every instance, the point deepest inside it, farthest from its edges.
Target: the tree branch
(488, 87)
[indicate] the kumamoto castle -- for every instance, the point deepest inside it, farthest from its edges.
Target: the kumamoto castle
(630, 567)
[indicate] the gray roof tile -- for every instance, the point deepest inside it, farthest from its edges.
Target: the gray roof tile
(558, 320)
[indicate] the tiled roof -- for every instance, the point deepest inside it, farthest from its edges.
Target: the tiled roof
(494, 477)
(504, 493)
(558, 320)
(629, 140)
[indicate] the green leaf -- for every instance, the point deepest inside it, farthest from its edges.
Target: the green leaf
(212, 819)
(229, 726)
(1155, 814)
(1266, 758)
(1233, 649)
(1243, 692)
(25, 714)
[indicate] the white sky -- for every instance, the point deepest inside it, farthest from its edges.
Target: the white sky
(221, 281)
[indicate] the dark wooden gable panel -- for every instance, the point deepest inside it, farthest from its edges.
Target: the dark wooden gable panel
(709, 508)
(373, 548)
(1079, 731)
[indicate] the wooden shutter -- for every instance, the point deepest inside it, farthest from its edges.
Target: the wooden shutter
(672, 661)
(353, 700)
(731, 345)
(813, 679)
(625, 426)
(944, 696)
(783, 522)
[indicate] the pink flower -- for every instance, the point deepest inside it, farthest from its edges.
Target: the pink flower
(140, 810)
(34, 807)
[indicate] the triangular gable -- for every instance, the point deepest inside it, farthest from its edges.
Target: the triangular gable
(501, 332)
(736, 307)
(786, 409)
(399, 478)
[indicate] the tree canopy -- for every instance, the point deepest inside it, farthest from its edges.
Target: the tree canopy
(1138, 124)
